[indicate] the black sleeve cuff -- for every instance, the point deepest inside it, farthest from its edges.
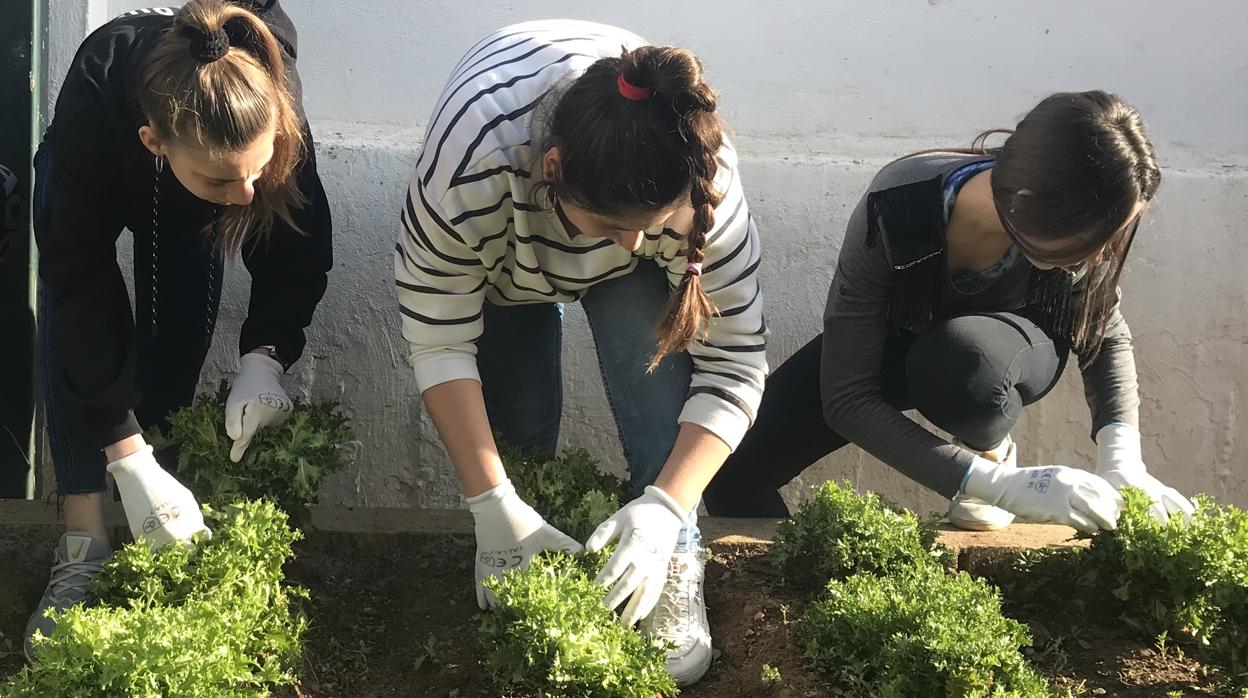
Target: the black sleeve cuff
(106, 430)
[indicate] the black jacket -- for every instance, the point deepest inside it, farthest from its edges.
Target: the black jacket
(102, 181)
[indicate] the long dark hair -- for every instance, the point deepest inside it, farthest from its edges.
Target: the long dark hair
(224, 104)
(623, 156)
(1066, 183)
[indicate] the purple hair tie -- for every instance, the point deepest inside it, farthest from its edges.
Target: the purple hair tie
(694, 268)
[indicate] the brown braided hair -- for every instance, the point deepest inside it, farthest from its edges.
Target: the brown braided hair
(661, 150)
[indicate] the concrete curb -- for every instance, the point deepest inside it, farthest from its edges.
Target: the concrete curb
(976, 552)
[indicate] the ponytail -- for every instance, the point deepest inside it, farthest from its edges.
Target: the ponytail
(650, 113)
(217, 81)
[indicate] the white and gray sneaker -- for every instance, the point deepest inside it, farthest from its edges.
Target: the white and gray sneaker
(971, 514)
(680, 618)
(78, 558)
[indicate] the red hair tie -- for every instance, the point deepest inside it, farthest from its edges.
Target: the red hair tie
(631, 91)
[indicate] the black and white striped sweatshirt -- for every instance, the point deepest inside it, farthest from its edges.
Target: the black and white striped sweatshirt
(473, 232)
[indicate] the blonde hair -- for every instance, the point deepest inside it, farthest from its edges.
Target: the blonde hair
(216, 80)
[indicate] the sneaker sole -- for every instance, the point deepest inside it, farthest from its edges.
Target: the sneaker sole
(969, 524)
(694, 675)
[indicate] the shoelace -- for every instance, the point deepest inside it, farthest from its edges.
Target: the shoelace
(73, 577)
(674, 609)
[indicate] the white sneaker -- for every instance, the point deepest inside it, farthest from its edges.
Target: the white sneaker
(973, 514)
(680, 618)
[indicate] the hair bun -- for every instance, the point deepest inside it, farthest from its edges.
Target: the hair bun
(209, 46)
(671, 72)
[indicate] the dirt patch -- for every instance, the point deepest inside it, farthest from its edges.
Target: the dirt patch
(394, 615)
(1080, 642)
(25, 561)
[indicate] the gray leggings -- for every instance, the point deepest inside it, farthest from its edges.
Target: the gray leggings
(970, 375)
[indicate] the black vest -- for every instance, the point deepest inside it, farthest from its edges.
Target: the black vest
(910, 219)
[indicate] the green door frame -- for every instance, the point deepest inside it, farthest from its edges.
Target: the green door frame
(19, 77)
(38, 94)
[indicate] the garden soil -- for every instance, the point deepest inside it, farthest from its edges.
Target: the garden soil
(394, 615)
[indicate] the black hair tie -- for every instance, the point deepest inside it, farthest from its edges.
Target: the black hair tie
(208, 46)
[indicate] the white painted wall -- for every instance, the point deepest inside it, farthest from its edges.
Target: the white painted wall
(819, 95)
(815, 70)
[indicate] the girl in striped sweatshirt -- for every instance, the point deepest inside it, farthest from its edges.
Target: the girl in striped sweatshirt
(570, 161)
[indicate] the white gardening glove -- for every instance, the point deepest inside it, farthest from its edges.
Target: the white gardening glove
(256, 400)
(1046, 494)
(509, 533)
(647, 528)
(158, 507)
(1121, 463)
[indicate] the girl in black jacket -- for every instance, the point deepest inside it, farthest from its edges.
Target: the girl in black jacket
(186, 128)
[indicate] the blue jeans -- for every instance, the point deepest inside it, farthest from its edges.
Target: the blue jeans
(168, 363)
(519, 356)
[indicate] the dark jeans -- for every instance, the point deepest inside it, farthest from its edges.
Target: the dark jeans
(970, 375)
(168, 363)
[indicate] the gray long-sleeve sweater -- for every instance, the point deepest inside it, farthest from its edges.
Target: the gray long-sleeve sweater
(857, 323)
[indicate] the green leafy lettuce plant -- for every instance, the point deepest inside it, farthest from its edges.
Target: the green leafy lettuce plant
(193, 621)
(1188, 581)
(285, 463)
(840, 532)
(569, 490)
(551, 636)
(918, 634)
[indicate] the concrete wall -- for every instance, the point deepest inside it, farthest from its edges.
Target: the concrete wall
(819, 95)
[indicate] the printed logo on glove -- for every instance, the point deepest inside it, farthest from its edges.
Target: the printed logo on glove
(161, 515)
(502, 559)
(1041, 480)
(277, 402)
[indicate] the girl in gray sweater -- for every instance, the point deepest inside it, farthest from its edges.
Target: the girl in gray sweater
(965, 281)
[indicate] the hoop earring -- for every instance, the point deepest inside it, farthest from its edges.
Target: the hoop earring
(160, 164)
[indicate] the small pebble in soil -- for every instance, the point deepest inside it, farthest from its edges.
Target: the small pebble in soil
(759, 616)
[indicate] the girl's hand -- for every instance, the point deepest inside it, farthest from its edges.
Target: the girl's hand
(1047, 494)
(158, 507)
(256, 400)
(509, 533)
(1120, 462)
(647, 529)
